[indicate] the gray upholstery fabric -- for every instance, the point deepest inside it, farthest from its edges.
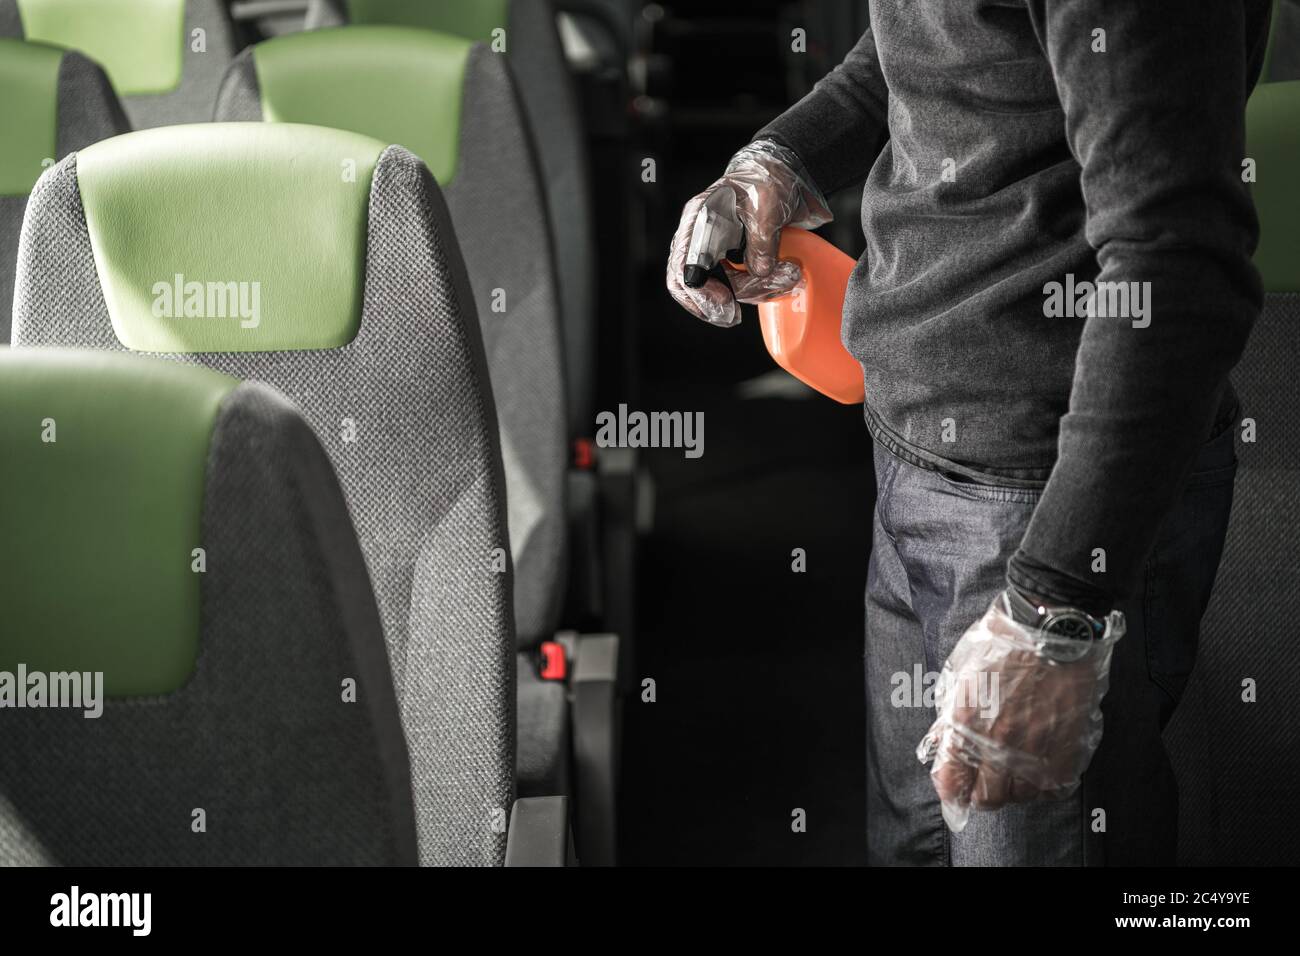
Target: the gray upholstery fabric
(11, 23)
(19, 846)
(422, 479)
(191, 102)
(239, 97)
(551, 104)
(495, 201)
(324, 13)
(88, 111)
(260, 737)
(542, 768)
(11, 223)
(496, 204)
(1236, 762)
(498, 207)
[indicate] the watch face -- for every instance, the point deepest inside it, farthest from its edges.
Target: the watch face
(1069, 624)
(1069, 634)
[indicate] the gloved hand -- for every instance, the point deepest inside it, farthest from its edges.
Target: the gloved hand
(1019, 714)
(770, 194)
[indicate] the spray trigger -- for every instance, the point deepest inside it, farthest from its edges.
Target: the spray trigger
(716, 235)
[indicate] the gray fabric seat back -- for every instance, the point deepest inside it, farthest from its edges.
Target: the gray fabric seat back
(84, 109)
(496, 202)
(1232, 740)
(249, 753)
(550, 103)
(201, 30)
(1223, 739)
(404, 409)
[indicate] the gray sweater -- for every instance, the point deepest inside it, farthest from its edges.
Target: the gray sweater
(1013, 151)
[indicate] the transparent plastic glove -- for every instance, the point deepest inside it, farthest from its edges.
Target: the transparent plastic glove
(770, 193)
(1019, 715)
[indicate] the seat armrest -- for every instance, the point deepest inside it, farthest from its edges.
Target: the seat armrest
(539, 832)
(596, 710)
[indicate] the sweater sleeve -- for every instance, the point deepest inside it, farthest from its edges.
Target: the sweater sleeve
(839, 128)
(1156, 123)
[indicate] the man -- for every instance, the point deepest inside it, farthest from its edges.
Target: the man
(1057, 282)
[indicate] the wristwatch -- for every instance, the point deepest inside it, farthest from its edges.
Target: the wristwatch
(1064, 634)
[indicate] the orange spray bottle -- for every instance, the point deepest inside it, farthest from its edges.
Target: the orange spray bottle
(801, 328)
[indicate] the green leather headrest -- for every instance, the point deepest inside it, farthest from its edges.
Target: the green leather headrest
(139, 43)
(393, 83)
(29, 112)
(1273, 142)
(103, 461)
(471, 19)
(230, 237)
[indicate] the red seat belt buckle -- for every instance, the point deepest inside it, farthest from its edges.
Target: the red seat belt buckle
(554, 665)
(584, 454)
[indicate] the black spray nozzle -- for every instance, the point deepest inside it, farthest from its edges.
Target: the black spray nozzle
(716, 235)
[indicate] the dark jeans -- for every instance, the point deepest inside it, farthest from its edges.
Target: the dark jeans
(939, 554)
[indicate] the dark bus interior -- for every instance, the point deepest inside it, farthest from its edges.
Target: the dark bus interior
(732, 700)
